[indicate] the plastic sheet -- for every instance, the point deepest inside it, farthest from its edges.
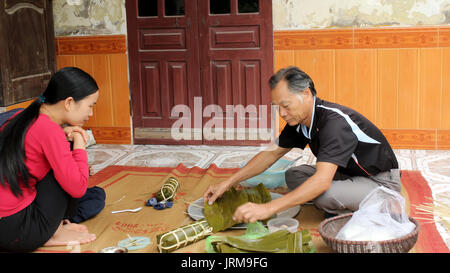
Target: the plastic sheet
(273, 177)
(381, 216)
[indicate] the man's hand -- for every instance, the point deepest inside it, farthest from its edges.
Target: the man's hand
(259, 163)
(252, 212)
(310, 189)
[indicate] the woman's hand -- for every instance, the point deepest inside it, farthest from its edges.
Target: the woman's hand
(69, 130)
(78, 140)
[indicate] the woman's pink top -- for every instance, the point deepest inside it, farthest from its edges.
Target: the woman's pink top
(46, 148)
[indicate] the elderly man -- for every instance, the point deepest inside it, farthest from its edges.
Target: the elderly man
(353, 156)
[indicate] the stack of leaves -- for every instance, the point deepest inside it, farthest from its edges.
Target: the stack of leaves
(183, 236)
(220, 214)
(168, 190)
(258, 239)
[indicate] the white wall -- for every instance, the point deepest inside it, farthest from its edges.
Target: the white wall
(314, 14)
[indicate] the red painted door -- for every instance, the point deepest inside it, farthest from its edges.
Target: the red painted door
(236, 45)
(164, 65)
(193, 61)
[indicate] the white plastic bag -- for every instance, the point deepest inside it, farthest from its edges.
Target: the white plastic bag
(381, 216)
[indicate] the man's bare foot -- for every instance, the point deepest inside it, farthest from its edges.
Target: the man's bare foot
(65, 236)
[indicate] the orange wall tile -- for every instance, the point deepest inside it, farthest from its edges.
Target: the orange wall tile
(387, 88)
(104, 57)
(443, 140)
(345, 77)
(319, 65)
(411, 139)
(430, 88)
(445, 100)
(408, 89)
(399, 78)
(283, 57)
(366, 83)
(102, 74)
(65, 60)
(120, 90)
(396, 37)
(85, 62)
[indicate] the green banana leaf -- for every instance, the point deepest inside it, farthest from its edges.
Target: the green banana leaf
(307, 243)
(281, 241)
(168, 190)
(258, 239)
(183, 236)
(220, 214)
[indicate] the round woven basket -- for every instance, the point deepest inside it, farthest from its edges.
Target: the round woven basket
(329, 228)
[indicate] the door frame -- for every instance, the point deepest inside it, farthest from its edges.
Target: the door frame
(160, 135)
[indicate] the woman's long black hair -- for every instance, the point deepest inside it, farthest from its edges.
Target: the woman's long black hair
(66, 82)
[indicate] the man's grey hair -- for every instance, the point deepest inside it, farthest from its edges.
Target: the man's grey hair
(296, 79)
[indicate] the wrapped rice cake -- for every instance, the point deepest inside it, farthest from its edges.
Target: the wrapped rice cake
(168, 190)
(183, 236)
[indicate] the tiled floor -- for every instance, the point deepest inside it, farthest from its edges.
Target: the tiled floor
(434, 165)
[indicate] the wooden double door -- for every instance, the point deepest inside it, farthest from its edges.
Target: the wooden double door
(27, 49)
(199, 71)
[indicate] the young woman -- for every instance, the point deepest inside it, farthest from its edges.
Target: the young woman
(40, 175)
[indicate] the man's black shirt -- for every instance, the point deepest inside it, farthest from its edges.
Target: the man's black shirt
(344, 137)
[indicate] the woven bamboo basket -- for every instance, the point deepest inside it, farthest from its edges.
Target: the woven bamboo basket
(329, 228)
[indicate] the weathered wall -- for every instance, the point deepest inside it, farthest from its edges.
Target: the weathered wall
(306, 14)
(89, 17)
(103, 17)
